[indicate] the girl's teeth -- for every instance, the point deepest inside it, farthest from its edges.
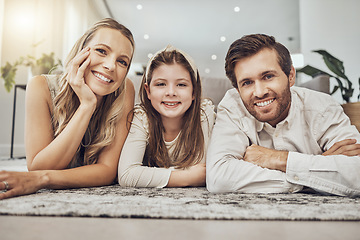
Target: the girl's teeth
(262, 104)
(170, 104)
(102, 77)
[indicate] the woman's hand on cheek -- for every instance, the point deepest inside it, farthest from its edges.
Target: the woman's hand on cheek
(76, 74)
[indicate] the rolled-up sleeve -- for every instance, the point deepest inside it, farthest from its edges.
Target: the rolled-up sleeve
(337, 174)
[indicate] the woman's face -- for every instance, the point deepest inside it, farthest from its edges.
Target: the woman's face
(110, 55)
(170, 91)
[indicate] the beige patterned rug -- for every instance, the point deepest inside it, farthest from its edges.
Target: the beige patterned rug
(178, 203)
(181, 203)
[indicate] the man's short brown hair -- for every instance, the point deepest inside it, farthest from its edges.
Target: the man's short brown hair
(250, 45)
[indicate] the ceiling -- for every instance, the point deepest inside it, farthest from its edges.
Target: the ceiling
(198, 26)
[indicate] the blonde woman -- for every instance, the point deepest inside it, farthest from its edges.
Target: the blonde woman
(75, 123)
(168, 137)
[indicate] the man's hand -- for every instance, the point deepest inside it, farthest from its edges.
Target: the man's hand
(347, 147)
(266, 158)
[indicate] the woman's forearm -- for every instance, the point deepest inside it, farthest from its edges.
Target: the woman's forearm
(85, 176)
(58, 154)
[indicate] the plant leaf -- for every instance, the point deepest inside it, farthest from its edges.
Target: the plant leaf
(311, 71)
(334, 90)
(334, 64)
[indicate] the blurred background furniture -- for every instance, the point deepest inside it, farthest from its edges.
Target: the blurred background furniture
(23, 87)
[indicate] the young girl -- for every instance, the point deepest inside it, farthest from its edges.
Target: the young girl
(170, 130)
(76, 122)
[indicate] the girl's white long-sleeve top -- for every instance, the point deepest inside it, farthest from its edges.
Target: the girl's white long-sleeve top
(131, 171)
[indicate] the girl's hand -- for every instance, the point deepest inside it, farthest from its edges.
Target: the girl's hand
(76, 79)
(194, 176)
(197, 175)
(21, 183)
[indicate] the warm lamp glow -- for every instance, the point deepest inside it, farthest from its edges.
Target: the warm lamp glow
(24, 20)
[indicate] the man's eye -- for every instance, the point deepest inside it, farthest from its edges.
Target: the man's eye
(268, 76)
(246, 83)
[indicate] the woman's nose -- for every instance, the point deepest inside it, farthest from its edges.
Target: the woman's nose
(109, 64)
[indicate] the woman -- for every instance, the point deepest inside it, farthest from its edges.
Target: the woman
(75, 123)
(168, 137)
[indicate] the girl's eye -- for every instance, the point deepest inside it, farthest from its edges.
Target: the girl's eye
(159, 84)
(182, 85)
(102, 51)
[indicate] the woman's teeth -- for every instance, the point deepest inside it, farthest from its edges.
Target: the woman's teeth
(263, 104)
(102, 77)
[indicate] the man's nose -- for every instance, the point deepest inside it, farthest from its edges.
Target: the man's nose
(260, 89)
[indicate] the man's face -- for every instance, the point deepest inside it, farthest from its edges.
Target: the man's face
(263, 86)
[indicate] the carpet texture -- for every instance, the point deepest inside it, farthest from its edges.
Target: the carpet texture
(181, 203)
(176, 203)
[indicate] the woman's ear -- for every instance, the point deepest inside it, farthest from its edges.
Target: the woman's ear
(147, 89)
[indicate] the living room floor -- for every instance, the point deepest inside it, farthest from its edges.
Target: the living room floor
(22, 227)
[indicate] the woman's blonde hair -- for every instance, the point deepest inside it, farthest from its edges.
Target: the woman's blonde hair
(189, 149)
(101, 128)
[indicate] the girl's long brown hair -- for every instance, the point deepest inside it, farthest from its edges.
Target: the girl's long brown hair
(101, 128)
(189, 148)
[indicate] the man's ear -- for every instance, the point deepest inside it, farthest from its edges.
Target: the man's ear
(237, 89)
(147, 89)
(292, 76)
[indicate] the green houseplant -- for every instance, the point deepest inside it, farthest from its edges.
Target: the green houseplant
(41, 65)
(345, 86)
(336, 66)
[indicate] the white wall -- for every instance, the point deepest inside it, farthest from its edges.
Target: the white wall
(332, 25)
(327, 24)
(55, 23)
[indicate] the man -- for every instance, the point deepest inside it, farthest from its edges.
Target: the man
(273, 137)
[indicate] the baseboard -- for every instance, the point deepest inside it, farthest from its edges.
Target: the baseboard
(18, 150)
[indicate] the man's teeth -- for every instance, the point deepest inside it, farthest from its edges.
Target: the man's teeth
(263, 104)
(102, 77)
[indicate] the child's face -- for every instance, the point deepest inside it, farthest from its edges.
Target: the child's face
(170, 91)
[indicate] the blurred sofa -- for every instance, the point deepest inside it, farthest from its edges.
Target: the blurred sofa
(215, 88)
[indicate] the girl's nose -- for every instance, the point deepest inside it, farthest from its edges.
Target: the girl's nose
(171, 90)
